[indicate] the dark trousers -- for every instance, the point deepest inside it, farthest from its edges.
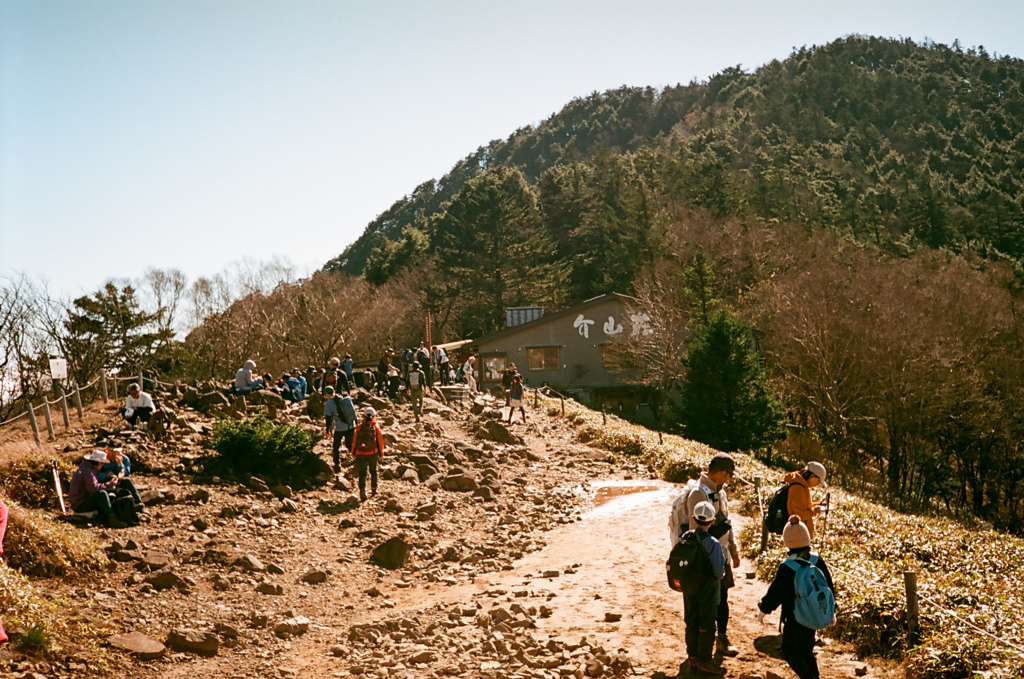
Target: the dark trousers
(723, 603)
(798, 649)
(97, 502)
(700, 611)
(141, 413)
(364, 463)
(445, 376)
(127, 484)
(338, 436)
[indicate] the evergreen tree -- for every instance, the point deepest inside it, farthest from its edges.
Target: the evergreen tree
(726, 402)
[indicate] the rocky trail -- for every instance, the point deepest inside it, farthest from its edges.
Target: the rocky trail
(489, 552)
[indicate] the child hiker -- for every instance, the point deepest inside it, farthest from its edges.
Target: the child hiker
(701, 608)
(803, 587)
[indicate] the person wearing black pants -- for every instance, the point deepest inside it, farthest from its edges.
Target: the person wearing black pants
(339, 417)
(797, 639)
(368, 449)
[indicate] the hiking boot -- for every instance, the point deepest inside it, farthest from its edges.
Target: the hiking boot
(373, 491)
(362, 495)
(723, 646)
(114, 522)
(337, 469)
(707, 667)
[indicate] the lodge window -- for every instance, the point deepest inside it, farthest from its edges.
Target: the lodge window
(493, 367)
(544, 358)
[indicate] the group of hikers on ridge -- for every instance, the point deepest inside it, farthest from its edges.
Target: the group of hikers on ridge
(704, 555)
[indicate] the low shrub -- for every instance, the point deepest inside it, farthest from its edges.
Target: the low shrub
(44, 548)
(257, 446)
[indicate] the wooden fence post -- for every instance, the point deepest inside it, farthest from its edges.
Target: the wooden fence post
(49, 420)
(103, 385)
(32, 420)
(64, 410)
(604, 414)
(141, 388)
(562, 399)
(78, 402)
(913, 615)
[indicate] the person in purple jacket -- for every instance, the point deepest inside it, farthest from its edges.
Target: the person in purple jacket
(87, 494)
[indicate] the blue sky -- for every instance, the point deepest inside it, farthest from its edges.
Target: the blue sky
(189, 135)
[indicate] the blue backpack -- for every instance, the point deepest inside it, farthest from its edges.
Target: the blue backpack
(815, 604)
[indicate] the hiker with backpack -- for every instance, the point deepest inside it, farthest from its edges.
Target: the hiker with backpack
(340, 412)
(346, 366)
(335, 377)
(415, 382)
(423, 358)
(795, 499)
(803, 588)
(368, 450)
(698, 562)
(296, 385)
(710, 487)
(443, 366)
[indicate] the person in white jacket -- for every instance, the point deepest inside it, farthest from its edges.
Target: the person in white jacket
(245, 381)
(138, 406)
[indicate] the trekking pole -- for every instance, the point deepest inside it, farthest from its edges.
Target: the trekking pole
(57, 486)
(828, 507)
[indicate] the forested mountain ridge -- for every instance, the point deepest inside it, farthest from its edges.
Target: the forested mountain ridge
(899, 144)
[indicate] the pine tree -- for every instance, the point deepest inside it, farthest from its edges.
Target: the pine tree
(726, 402)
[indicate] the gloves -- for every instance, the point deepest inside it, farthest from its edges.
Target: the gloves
(760, 617)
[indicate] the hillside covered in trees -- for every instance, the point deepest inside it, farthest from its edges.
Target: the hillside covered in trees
(897, 144)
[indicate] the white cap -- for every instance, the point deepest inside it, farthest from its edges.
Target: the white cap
(369, 412)
(704, 512)
(818, 469)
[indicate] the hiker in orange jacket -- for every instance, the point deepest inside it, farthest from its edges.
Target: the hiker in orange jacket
(368, 448)
(798, 501)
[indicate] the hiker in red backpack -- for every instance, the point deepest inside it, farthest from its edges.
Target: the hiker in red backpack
(368, 449)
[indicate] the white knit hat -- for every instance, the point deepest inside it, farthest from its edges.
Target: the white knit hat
(795, 534)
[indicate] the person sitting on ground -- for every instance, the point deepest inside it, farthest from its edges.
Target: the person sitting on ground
(798, 501)
(516, 397)
(296, 384)
(416, 381)
(797, 639)
(87, 494)
(700, 609)
(244, 380)
(368, 449)
(341, 413)
(137, 406)
(118, 465)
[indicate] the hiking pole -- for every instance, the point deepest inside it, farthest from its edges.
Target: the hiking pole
(828, 507)
(56, 484)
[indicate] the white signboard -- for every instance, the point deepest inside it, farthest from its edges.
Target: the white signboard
(58, 368)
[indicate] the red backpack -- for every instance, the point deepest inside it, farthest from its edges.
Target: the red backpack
(366, 438)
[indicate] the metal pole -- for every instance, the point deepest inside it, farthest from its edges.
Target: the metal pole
(115, 387)
(913, 615)
(141, 388)
(64, 410)
(78, 402)
(32, 420)
(103, 385)
(49, 420)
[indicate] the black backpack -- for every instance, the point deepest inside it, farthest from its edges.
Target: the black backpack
(778, 511)
(689, 566)
(124, 508)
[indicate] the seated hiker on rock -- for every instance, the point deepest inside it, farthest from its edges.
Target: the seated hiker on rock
(803, 587)
(339, 418)
(368, 448)
(245, 381)
(798, 502)
(87, 494)
(137, 406)
(296, 384)
(118, 465)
